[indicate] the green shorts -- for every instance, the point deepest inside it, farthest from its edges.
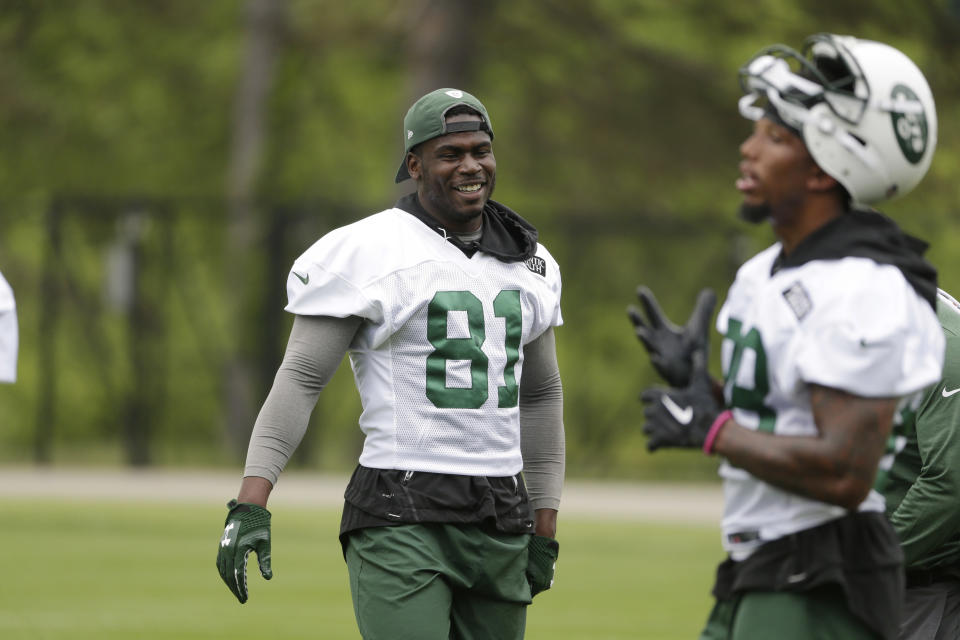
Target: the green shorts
(438, 582)
(820, 613)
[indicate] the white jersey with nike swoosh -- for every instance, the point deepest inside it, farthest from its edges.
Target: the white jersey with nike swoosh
(849, 324)
(439, 354)
(9, 333)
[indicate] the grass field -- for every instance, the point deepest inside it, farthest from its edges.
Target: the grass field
(116, 570)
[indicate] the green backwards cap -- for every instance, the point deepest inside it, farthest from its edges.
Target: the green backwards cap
(426, 120)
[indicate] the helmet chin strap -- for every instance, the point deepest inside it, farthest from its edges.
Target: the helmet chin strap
(773, 71)
(794, 119)
(748, 109)
(793, 116)
(790, 95)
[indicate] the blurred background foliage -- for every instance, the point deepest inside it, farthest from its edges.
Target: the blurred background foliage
(162, 164)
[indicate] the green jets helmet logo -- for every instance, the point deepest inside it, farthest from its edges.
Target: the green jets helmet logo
(910, 128)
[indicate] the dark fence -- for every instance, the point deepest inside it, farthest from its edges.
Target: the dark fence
(127, 329)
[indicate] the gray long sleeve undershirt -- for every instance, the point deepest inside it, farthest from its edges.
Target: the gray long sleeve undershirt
(315, 349)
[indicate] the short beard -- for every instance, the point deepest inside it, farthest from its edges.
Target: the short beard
(755, 213)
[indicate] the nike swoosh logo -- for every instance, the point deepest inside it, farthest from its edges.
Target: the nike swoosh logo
(947, 394)
(304, 279)
(681, 415)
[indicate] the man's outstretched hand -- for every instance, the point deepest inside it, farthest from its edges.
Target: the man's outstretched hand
(681, 417)
(671, 347)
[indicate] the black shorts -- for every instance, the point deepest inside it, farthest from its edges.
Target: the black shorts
(858, 553)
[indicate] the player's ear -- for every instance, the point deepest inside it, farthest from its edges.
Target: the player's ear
(819, 180)
(414, 164)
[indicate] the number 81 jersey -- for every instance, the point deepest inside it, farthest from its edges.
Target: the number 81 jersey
(850, 324)
(438, 357)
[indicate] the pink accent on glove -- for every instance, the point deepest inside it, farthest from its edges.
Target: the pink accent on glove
(714, 430)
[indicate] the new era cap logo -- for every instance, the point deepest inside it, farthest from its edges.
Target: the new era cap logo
(409, 134)
(454, 93)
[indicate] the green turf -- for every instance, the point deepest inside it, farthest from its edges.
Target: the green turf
(113, 570)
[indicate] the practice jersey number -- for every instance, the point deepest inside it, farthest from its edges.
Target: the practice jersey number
(748, 397)
(507, 306)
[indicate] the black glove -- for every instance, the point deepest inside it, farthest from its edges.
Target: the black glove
(681, 417)
(246, 529)
(542, 555)
(671, 347)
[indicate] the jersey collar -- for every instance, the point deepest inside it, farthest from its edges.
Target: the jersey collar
(865, 233)
(506, 236)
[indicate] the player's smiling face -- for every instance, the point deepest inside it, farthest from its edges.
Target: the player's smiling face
(775, 170)
(455, 175)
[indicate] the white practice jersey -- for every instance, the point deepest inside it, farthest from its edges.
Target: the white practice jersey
(9, 333)
(439, 354)
(849, 324)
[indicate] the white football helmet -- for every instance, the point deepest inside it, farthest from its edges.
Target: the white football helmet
(863, 108)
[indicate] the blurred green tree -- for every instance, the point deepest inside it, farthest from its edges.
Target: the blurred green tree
(617, 135)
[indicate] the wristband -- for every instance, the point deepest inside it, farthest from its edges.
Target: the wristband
(714, 430)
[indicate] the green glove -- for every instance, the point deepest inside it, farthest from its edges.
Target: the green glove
(541, 563)
(247, 529)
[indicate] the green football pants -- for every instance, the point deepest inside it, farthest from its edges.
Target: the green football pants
(762, 615)
(438, 582)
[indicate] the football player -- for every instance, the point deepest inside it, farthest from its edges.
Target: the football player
(920, 479)
(9, 333)
(823, 334)
(446, 305)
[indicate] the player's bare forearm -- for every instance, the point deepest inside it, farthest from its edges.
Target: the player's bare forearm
(255, 490)
(545, 522)
(838, 466)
